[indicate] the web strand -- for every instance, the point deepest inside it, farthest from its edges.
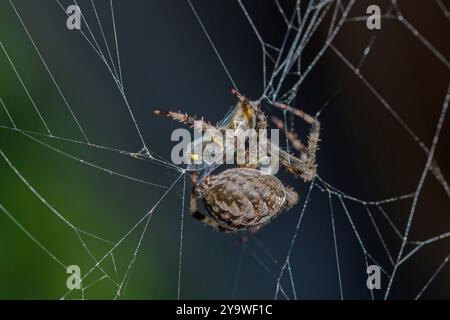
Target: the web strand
(285, 68)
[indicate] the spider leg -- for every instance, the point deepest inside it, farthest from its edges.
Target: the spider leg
(292, 197)
(240, 97)
(197, 215)
(295, 140)
(261, 117)
(308, 167)
(184, 118)
(299, 113)
(194, 180)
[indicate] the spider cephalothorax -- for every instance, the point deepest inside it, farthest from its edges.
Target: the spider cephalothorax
(244, 198)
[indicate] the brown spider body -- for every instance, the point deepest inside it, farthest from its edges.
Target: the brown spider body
(243, 198)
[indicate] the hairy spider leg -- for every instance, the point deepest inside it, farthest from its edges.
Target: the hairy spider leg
(293, 137)
(307, 159)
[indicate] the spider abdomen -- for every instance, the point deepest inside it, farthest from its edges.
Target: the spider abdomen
(242, 198)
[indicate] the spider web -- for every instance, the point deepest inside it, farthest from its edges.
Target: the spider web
(321, 248)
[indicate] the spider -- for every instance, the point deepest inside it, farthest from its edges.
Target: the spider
(242, 198)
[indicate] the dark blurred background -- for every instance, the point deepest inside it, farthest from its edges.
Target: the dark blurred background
(168, 63)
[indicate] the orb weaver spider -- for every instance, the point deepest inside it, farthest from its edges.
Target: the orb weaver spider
(242, 198)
